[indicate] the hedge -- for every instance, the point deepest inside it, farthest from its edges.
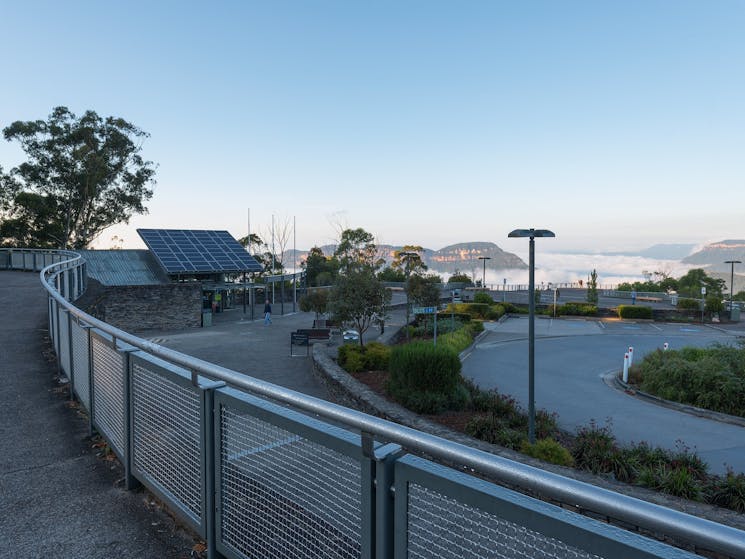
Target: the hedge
(634, 311)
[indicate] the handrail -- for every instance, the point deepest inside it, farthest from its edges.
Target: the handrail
(704, 533)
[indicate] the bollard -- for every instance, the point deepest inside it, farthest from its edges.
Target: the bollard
(625, 367)
(631, 356)
(665, 346)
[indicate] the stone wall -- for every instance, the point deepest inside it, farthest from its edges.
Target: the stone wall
(148, 307)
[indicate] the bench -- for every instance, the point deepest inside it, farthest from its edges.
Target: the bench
(649, 299)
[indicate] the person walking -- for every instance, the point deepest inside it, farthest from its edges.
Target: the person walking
(267, 313)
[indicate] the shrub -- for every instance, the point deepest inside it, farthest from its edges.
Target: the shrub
(727, 491)
(483, 298)
(377, 356)
(714, 304)
(710, 378)
(473, 310)
(372, 357)
(685, 304)
(423, 367)
(595, 449)
(494, 430)
(576, 309)
(548, 450)
(679, 482)
(634, 311)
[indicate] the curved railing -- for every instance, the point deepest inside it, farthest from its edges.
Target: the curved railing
(234, 458)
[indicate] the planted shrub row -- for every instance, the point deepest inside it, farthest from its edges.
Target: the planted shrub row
(712, 378)
(634, 311)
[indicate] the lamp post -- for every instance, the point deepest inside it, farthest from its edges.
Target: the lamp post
(531, 234)
(732, 282)
(483, 281)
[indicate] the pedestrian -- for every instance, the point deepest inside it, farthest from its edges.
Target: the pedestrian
(267, 313)
(633, 296)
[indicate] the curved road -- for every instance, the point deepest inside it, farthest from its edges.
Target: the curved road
(572, 356)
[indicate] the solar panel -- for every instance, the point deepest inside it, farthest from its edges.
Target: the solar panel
(182, 251)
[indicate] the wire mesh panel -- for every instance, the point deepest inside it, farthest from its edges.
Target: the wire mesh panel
(288, 486)
(16, 260)
(80, 360)
(448, 514)
(28, 260)
(166, 434)
(64, 344)
(108, 391)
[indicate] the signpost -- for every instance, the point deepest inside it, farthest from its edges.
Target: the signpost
(299, 339)
(428, 310)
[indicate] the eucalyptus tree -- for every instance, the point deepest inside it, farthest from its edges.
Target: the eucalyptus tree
(82, 175)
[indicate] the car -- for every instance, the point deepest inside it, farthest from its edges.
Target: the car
(351, 336)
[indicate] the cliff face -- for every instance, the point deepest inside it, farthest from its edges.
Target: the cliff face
(466, 255)
(461, 256)
(715, 254)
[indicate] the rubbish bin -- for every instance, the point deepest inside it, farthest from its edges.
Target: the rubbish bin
(674, 299)
(206, 318)
(735, 313)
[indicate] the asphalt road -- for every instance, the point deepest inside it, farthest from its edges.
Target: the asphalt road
(571, 358)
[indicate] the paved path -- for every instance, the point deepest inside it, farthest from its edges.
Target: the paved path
(56, 498)
(571, 358)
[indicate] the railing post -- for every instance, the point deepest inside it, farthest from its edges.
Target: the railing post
(130, 482)
(70, 358)
(89, 332)
(385, 461)
(208, 463)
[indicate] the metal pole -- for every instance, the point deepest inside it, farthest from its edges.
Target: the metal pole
(483, 280)
(732, 283)
(531, 343)
(504, 290)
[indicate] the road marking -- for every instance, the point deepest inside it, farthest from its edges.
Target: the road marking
(631, 328)
(689, 330)
(656, 327)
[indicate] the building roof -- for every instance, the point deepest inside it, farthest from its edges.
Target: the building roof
(123, 267)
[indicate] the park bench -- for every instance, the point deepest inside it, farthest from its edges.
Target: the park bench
(649, 299)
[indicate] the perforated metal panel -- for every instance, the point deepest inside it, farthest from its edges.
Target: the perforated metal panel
(108, 392)
(283, 495)
(80, 359)
(64, 344)
(166, 436)
(442, 527)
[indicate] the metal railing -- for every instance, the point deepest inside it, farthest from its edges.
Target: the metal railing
(248, 467)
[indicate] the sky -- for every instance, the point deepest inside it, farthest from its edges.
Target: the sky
(617, 125)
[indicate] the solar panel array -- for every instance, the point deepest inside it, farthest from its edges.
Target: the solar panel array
(184, 251)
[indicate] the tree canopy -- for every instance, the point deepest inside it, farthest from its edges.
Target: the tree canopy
(82, 175)
(357, 249)
(360, 298)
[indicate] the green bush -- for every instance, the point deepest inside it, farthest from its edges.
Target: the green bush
(711, 378)
(354, 358)
(548, 450)
(424, 367)
(576, 309)
(714, 304)
(634, 311)
(494, 430)
(483, 298)
(473, 310)
(685, 304)
(377, 356)
(727, 491)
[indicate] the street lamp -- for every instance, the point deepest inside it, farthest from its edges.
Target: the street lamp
(731, 282)
(531, 234)
(483, 281)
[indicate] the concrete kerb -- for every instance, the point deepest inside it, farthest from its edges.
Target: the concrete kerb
(348, 391)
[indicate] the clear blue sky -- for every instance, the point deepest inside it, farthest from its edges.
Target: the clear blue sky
(615, 124)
